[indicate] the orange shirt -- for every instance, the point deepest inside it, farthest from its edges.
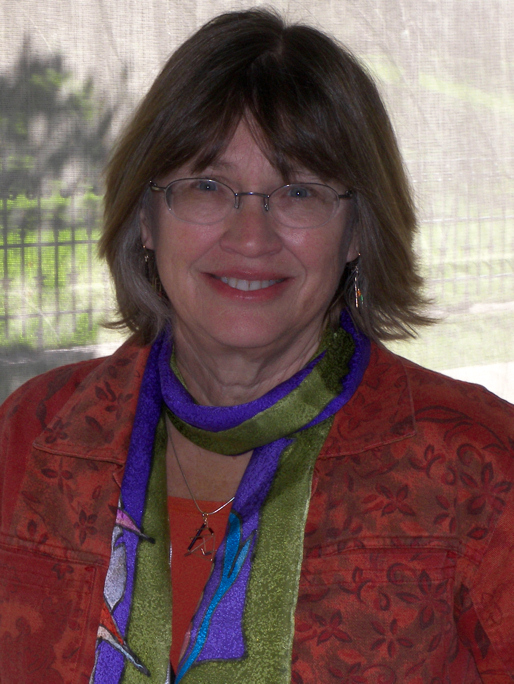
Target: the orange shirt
(189, 574)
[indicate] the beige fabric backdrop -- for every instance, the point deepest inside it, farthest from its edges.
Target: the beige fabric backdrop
(71, 71)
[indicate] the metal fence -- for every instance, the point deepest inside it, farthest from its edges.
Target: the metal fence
(54, 290)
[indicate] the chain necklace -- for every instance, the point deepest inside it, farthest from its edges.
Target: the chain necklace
(204, 539)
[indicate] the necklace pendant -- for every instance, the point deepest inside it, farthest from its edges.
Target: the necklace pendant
(203, 542)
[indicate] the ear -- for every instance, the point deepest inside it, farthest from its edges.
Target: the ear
(353, 250)
(145, 229)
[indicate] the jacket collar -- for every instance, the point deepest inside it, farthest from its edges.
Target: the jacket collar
(96, 422)
(380, 412)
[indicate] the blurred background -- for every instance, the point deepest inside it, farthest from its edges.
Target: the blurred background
(71, 73)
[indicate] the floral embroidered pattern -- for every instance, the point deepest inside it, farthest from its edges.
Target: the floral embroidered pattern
(392, 534)
(375, 578)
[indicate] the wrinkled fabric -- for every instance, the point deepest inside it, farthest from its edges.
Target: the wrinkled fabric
(408, 545)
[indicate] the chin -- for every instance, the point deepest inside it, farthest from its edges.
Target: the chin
(242, 334)
(247, 339)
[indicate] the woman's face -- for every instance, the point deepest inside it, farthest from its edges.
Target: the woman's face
(206, 270)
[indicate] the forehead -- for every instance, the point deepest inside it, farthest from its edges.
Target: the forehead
(243, 147)
(248, 149)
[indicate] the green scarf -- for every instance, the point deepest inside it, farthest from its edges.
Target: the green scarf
(243, 629)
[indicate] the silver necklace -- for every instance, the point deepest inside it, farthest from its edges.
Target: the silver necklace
(204, 539)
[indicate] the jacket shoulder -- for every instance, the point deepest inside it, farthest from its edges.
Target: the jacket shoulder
(41, 397)
(441, 397)
(398, 399)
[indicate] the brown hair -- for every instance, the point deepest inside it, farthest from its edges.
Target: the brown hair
(312, 104)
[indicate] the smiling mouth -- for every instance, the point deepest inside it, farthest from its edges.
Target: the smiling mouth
(249, 285)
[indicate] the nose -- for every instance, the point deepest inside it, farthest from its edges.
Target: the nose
(249, 230)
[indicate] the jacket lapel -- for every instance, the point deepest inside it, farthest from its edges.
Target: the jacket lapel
(380, 412)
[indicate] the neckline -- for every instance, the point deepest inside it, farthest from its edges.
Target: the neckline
(310, 396)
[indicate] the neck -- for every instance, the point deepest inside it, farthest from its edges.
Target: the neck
(210, 476)
(217, 376)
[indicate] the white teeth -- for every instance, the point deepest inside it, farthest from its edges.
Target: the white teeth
(247, 285)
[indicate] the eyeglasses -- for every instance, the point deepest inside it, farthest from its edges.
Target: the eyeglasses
(205, 201)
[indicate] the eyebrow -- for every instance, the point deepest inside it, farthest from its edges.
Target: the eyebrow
(217, 164)
(221, 164)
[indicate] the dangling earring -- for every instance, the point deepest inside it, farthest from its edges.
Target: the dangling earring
(153, 279)
(359, 299)
(147, 267)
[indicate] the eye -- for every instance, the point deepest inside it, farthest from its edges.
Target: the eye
(299, 191)
(206, 185)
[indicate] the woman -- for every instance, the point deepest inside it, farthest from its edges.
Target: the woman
(357, 508)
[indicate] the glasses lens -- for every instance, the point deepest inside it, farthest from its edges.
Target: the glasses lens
(199, 200)
(304, 205)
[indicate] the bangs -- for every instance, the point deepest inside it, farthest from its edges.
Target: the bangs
(294, 117)
(283, 100)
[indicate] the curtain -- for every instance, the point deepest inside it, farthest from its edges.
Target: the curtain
(71, 73)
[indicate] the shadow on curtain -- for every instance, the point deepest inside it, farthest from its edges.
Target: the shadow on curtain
(55, 135)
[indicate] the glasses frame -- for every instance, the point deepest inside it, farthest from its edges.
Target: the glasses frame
(237, 195)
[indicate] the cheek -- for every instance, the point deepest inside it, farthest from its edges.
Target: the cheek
(179, 248)
(322, 257)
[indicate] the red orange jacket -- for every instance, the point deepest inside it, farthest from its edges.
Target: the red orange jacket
(409, 543)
